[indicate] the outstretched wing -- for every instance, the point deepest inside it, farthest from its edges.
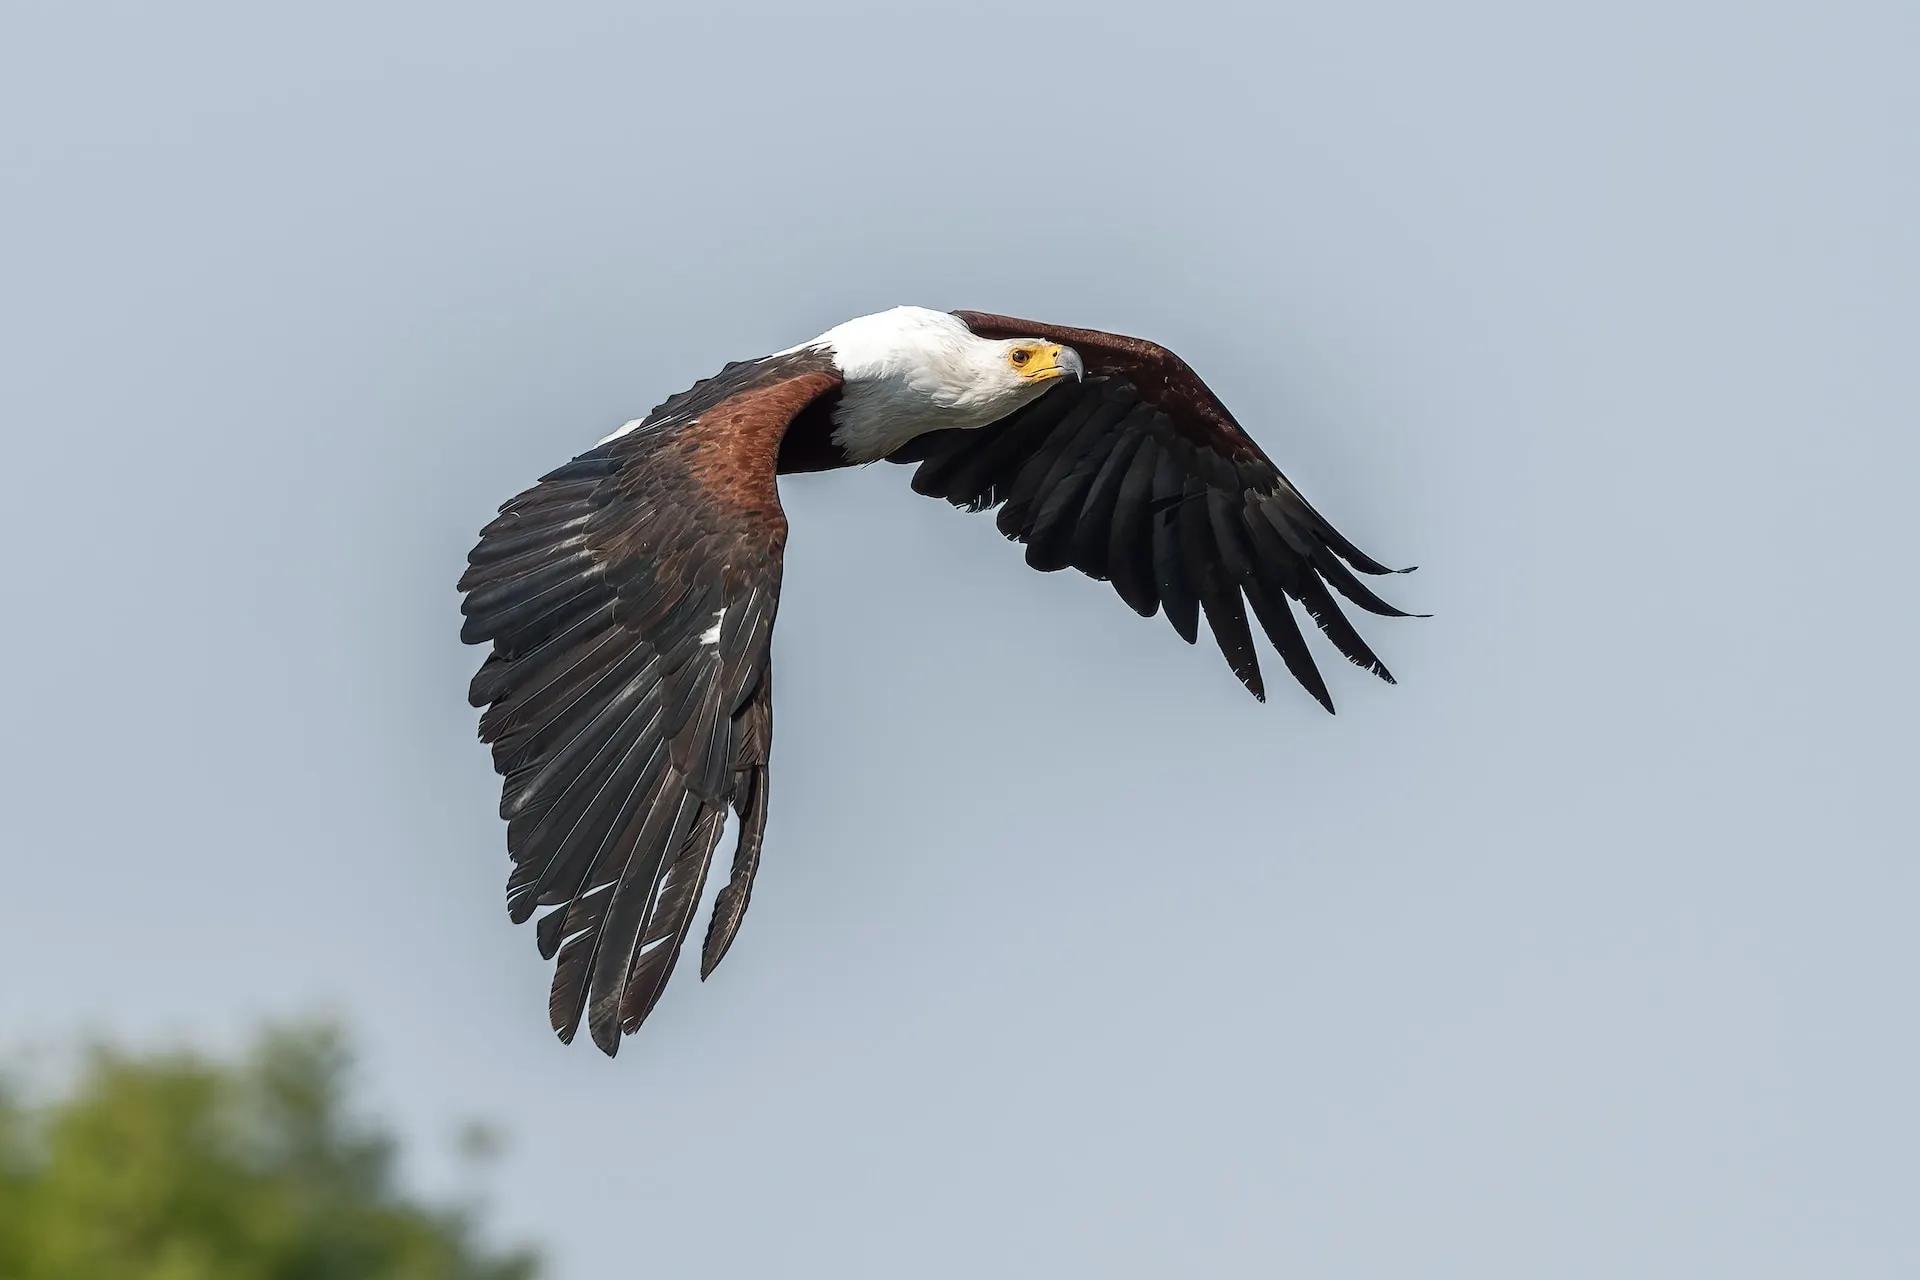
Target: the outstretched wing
(1140, 476)
(629, 597)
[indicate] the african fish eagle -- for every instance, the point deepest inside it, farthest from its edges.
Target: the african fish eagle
(630, 594)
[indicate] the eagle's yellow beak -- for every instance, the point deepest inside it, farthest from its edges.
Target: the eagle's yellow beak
(1045, 361)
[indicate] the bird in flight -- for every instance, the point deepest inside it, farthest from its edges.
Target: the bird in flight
(629, 595)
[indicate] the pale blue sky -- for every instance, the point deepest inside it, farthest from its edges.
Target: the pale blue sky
(1588, 951)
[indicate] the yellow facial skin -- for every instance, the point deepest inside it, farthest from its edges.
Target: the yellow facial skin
(1044, 361)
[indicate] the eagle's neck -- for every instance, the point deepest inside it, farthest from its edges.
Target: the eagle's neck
(909, 371)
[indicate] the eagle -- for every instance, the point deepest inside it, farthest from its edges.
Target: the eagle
(629, 595)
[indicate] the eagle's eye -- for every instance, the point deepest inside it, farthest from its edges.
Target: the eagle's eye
(1020, 356)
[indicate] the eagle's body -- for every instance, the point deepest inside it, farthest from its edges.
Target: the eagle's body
(630, 595)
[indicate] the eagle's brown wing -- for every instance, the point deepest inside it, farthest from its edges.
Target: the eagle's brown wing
(1140, 476)
(629, 597)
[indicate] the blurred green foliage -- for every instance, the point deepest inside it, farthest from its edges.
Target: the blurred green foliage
(175, 1166)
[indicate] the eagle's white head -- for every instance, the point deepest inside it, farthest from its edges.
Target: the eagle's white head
(910, 370)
